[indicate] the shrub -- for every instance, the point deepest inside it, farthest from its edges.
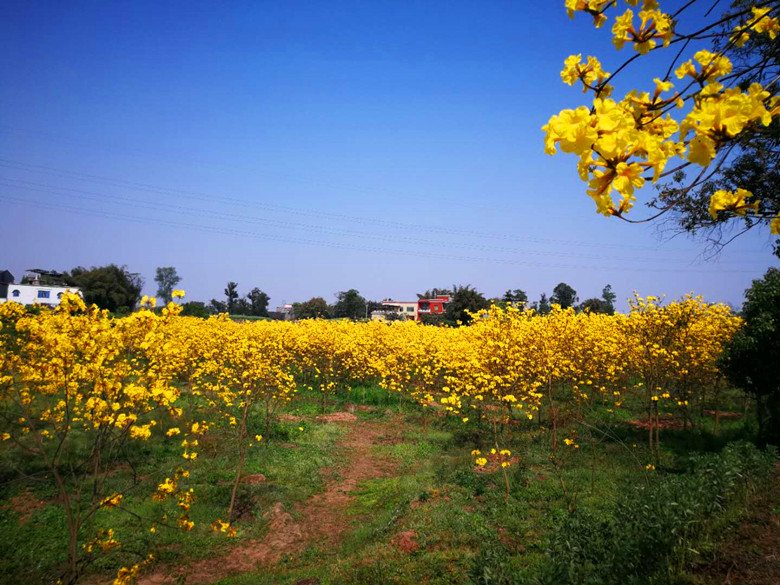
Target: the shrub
(656, 527)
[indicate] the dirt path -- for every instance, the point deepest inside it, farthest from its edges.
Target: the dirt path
(322, 520)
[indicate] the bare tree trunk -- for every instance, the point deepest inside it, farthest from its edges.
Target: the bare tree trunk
(241, 458)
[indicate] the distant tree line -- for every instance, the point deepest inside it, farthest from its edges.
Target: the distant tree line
(117, 289)
(255, 303)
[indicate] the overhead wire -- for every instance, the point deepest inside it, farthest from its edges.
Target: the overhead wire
(320, 214)
(261, 236)
(243, 218)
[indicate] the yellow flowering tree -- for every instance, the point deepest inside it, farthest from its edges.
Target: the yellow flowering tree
(243, 366)
(76, 387)
(696, 130)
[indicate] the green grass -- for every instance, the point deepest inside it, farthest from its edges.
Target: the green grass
(464, 530)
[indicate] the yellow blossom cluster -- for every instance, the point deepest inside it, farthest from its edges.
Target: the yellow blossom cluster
(78, 376)
(623, 144)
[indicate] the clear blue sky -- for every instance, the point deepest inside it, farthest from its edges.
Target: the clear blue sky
(311, 147)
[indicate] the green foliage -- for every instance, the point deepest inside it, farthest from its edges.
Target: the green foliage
(516, 296)
(216, 307)
(435, 292)
(564, 295)
(258, 302)
(166, 279)
(464, 300)
(750, 360)
(493, 566)
(542, 306)
(350, 305)
(109, 287)
(753, 166)
(438, 320)
(314, 308)
(231, 294)
(595, 305)
(195, 309)
(657, 529)
(609, 298)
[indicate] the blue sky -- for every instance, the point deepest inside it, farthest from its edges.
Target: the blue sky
(311, 147)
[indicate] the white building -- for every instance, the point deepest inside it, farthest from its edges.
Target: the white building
(32, 294)
(407, 310)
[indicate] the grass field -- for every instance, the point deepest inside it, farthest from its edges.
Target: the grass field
(381, 490)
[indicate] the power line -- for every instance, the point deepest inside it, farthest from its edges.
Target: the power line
(196, 196)
(102, 198)
(48, 136)
(286, 239)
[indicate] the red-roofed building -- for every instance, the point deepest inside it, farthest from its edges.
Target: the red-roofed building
(412, 310)
(435, 306)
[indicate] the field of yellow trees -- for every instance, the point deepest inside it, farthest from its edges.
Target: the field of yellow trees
(134, 436)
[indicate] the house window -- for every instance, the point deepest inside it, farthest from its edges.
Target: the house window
(15, 293)
(43, 294)
(410, 309)
(59, 295)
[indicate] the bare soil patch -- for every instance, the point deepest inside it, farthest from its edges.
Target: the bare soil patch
(663, 423)
(406, 542)
(26, 504)
(337, 417)
(325, 515)
(718, 414)
(323, 519)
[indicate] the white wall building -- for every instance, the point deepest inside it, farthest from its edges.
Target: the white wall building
(31, 294)
(406, 309)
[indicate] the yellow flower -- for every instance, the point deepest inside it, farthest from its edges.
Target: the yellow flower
(621, 27)
(733, 201)
(142, 432)
(111, 501)
(662, 86)
(481, 461)
(177, 294)
(774, 226)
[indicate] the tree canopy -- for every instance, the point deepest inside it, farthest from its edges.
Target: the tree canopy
(542, 306)
(166, 279)
(704, 132)
(609, 298)
(435, 292)
(750, 360)
(314, 308)
(195, 309)
(464, 299)
(231, 296)
(109, 287)
(564, 295)
(350, 305)
(258, 302)
(516, 296)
